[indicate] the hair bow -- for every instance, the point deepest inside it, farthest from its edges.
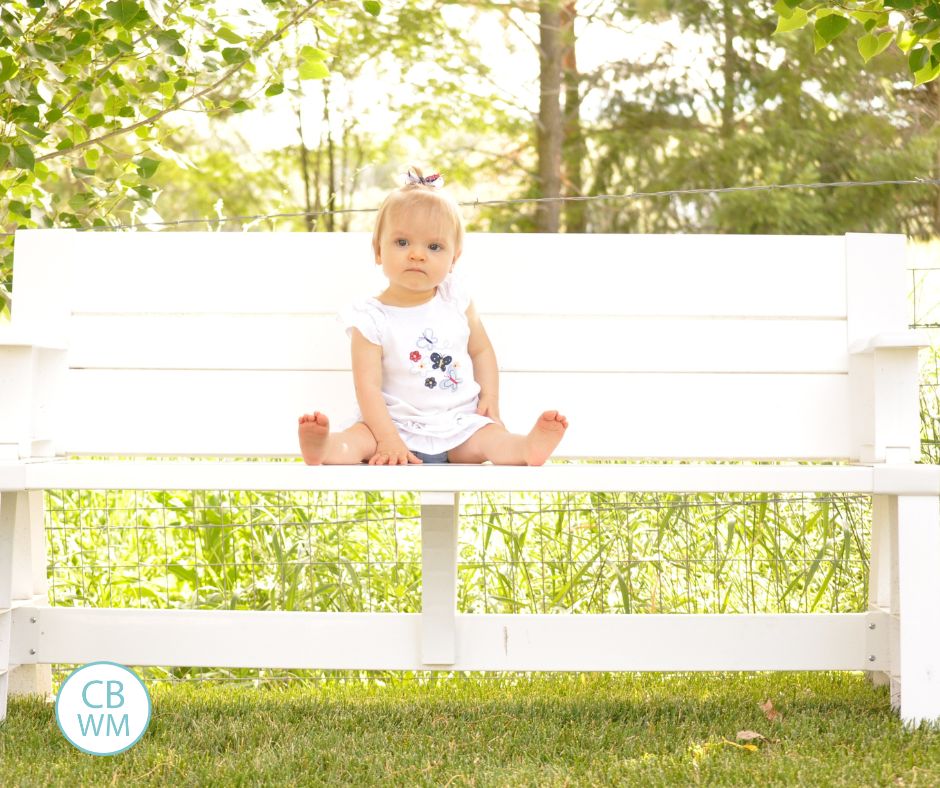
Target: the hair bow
(435, 180)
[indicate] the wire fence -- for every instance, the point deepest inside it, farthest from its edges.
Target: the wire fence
(210, 221)
(518, 553)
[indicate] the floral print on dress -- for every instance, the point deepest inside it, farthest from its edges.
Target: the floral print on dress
(438, 361)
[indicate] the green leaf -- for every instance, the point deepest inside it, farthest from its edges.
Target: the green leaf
(25, 112)
(239, 106)
(906, 39)
(918, 58)
(53, 115)
(870, 45)
(313, 70)
(900, 5)
(233, 55)
(94, 120)
(372, 7)
(8, 68)
(226, 34)
(795, 21)
(829, 27)
(23, 157)
(4, 154)
(147, 167)
(124, 12)
(169, 42)
(926, 74)
(783, 9)
(275, 90)
(313, 54)
(81, 200)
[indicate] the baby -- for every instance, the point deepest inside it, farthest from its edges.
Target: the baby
(424, 369)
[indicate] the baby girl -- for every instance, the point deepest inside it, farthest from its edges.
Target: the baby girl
(425, 372)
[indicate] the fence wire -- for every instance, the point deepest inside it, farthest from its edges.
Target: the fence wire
(210, 221)
(518, 553)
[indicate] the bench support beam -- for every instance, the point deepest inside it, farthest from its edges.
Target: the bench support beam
(439, 578)
(918, 541)
(22, 584)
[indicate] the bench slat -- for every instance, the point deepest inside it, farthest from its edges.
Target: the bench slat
(521, 641)
(612, 414)
(684, 275)
(264, 475)
(317, 342)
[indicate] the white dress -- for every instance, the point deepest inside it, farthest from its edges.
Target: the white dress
(427, 372)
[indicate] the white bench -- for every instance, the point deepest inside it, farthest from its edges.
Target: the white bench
(182, 345)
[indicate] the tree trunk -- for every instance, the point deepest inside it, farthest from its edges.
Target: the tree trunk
(935, 89)
(305, 170)
(317, 169)
(549, 124)
(574, 150)
(728, 69)
(330, 158)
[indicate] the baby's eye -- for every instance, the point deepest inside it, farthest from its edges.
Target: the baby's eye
(401, 242)
(435, 247)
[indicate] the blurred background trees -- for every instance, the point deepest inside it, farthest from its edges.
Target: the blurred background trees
(137, 112)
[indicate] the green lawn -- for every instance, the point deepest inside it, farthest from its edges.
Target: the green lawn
(589, 729)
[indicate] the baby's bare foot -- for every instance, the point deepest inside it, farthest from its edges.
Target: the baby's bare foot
(545, 436)
(313, 431)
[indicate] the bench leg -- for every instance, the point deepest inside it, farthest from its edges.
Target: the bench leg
(883, 586)
(439, 578)
(918, 540)
(22, 584)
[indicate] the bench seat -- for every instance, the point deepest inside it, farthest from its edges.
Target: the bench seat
(581, 477)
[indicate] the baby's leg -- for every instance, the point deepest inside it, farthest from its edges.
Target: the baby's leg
(319, 447)
(501, 447)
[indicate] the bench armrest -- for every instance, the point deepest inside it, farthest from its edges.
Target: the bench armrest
(32, 376)
(916, 338)
(14, 337)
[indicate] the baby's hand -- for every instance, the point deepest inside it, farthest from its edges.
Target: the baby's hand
(392, 451)
(488, 406)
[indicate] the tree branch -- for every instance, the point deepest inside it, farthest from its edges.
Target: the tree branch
(298, 17)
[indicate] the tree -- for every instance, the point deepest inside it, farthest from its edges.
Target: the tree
(88, 86)
(916, 33)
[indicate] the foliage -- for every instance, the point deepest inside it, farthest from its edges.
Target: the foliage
(915, 28)
(87, 85)
(773, 112)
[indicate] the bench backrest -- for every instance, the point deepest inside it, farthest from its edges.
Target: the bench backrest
(666, 346)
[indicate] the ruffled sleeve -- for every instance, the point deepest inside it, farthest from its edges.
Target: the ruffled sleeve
(368, 317)
(453, 290)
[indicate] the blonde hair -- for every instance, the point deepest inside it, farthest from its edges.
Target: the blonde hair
(420, 193)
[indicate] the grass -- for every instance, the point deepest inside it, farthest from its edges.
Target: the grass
(560, 729)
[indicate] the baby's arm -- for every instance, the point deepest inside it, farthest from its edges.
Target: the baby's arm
(485, 369)
(367, 376)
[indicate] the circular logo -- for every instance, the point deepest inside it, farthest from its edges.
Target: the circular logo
(103, 708)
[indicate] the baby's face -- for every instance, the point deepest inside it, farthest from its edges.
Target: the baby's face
(417, 247)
